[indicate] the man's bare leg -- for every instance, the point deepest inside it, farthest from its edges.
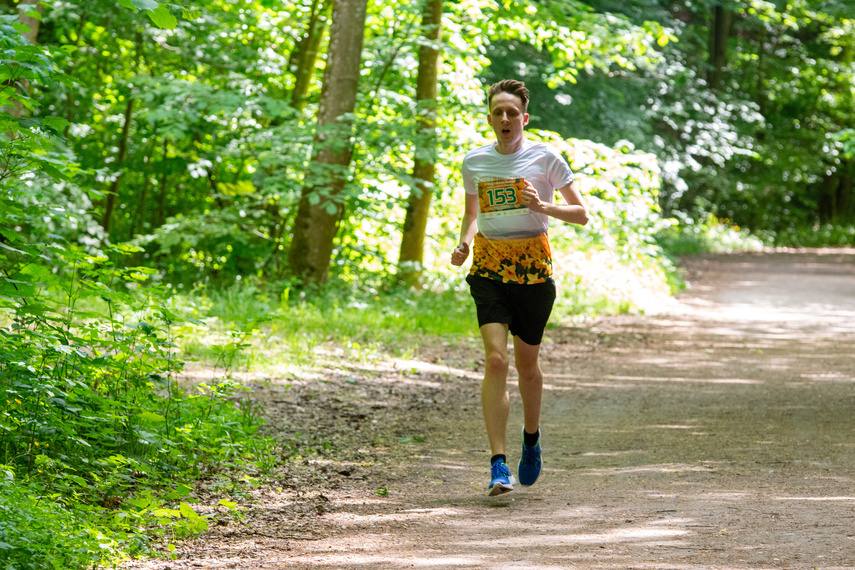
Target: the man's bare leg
(531, 390)
(495, 400)
(531, 381)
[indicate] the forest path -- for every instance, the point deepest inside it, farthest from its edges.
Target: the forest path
(718, 435)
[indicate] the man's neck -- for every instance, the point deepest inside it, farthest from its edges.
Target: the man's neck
(509, 148)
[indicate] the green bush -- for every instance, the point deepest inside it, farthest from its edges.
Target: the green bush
(96, 434)
(826, 235)
(39, 533)
(91, 410)
(711, 236)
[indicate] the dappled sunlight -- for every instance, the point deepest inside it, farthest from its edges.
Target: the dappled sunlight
(648, 534)
(664, 468)
(557, 388)
(347, 519)
(611, 453)
(829, 377)
(399, 365)
(728, 496)
(350, 558)
(834, 499)
(619, 381)
(690, 380)
(453, 466)
(584, 535)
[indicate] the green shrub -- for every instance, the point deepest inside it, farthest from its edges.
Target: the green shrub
(711, 236)
(38, 532)
(826, 235)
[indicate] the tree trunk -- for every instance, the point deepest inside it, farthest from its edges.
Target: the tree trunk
(160, 216)
(139, 223)
(120, 161)
(140, 218)
(305, 53)
(322, 202)
(161, 201)
(722, 20)
(761, 97)
(411, 257)
(24, 7)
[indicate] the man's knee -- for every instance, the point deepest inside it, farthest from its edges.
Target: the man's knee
(497, 363)
(528, 370)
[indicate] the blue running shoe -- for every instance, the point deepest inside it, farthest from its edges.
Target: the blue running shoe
(503, 481)
(530, 463)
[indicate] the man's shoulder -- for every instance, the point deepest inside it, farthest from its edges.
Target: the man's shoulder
(541, 147)
(484, 150)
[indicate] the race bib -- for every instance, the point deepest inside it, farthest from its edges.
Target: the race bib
(501, 197)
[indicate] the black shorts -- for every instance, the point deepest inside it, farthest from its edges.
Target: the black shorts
(524, 308)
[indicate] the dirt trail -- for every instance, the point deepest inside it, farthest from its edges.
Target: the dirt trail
(720, 434)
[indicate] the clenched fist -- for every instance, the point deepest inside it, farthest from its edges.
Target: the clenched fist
(531, 199)
(459, 255)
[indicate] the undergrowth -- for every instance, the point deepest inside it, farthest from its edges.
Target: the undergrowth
(711, 235)
(100, 444)
(824, 235)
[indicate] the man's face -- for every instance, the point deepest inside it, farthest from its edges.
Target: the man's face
(507, 117)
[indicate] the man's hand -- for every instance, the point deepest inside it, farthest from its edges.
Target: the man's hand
(531, 200)
(460, 254)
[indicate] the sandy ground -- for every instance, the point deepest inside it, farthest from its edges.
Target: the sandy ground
(717, 434)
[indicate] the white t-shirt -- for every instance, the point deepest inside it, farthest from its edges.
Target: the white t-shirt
(495, 178)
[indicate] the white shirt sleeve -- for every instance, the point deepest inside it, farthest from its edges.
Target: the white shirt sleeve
(560, 174)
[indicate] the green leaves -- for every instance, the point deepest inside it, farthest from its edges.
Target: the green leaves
(847, 139)
(162, 18)
(139, 4)
(158, 13)
(89, 407)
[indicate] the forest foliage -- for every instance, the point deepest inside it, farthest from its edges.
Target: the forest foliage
(153, 151)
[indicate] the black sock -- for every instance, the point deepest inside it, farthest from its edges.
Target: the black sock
(498, 456)
(530, 439)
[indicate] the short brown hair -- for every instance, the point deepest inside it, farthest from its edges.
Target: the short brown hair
(511, 86)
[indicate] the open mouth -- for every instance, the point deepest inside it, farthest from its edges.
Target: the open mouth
(506, 131)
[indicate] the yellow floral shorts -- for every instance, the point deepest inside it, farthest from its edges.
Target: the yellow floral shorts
(524, 261)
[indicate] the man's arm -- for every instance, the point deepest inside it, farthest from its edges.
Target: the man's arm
(468, 228)
(573, 212)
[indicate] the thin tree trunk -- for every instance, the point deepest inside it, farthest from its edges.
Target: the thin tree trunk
(161, 201)
(120, 162)
(139, 223)
(411, 257)
(24, 7)
(138, 226)
(305, 53)
(761, 96)
(322, 202)
(164, 176)
(844, 192)
(722, 20)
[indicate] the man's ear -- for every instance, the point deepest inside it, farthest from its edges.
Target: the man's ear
(525, 120)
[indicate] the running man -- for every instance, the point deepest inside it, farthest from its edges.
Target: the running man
(509, 189)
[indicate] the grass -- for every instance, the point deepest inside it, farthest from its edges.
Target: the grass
(271, 330)
(293, 329)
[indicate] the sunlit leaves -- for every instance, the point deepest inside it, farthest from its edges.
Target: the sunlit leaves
(158, 13)
(847, 138)
(163, 18)
(139, 4)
